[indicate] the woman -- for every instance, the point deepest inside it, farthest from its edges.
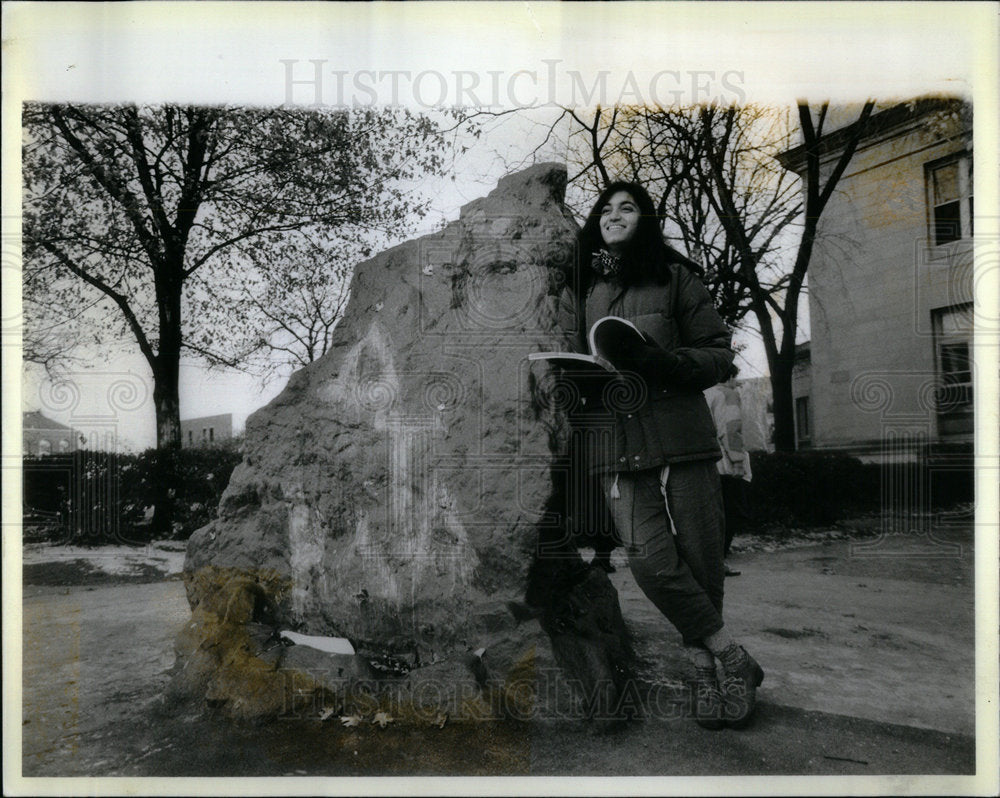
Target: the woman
(655, 458)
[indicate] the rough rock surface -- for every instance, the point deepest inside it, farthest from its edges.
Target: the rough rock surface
(395, 492)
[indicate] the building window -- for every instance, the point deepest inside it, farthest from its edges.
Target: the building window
(802, 419)
(190, 437)
(204, 434)
(953, 340)
(63, 445)
(211, 434)
(44, 447)
(949, 197)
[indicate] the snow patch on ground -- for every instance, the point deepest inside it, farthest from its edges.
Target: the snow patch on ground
(166, 556)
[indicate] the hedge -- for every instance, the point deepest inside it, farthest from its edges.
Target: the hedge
(812, 489)
(93, 497)
(99, 497)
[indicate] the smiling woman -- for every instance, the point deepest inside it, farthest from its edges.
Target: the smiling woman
(619, 221)
(654, 462)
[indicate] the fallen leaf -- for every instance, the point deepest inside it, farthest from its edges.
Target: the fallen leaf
(350, 720)
(382, 719)
(441, 719)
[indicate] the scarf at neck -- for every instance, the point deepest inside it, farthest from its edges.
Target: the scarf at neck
(605, 263)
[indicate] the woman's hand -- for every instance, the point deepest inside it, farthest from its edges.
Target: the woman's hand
(653, 364)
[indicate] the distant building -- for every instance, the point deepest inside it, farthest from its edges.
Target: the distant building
(887, 371)
(41, 436)
(758, 413)
(207, 430)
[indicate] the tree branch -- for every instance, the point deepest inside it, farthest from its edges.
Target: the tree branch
(144, 172)
(110, 184)
(118, 299)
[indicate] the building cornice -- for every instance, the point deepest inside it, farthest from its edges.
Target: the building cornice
(892, 120)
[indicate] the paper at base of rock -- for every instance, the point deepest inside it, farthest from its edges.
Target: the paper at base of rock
(396, 489)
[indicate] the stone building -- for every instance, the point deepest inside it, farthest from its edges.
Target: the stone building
(206, 430)
(42, 436)
(888, 371)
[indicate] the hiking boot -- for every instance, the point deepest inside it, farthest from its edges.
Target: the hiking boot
(706, 699)
(739, 687)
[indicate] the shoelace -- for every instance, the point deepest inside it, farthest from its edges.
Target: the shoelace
(707, 683)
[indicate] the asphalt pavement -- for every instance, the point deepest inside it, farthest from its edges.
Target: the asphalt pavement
(868, 653)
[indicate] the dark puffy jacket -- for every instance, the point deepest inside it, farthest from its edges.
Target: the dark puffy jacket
(666, 420)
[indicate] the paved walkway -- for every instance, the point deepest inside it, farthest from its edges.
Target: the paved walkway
(869, 672)
(883, 632)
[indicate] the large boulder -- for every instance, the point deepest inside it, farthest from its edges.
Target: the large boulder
(404, 491)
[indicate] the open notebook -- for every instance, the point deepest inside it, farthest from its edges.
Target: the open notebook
(608, 334)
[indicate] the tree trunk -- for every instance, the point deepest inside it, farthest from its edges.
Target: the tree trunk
(168, 441)
(784, 410)
(167, 365)
(166, 398)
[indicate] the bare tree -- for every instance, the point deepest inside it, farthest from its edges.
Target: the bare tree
(161, 218)
(724, 199)
(769, 306)
(301, 308)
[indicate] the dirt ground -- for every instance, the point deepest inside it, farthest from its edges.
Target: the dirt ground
(868, 649)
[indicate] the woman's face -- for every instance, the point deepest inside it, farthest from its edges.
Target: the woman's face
(619, 220)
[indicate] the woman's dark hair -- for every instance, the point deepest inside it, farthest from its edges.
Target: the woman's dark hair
(645, 257)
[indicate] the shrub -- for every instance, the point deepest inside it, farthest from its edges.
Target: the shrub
(808, 489)
(95, 497)
(201, 475)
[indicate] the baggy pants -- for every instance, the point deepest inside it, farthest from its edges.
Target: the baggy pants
(671, 523)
